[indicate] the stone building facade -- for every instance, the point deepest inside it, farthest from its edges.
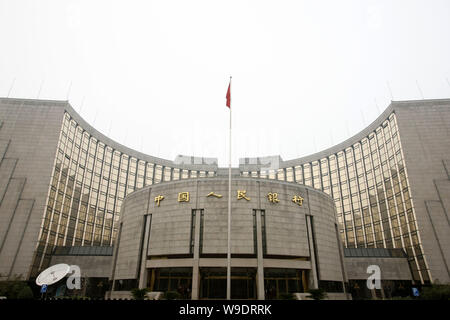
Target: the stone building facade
(63, 183)
(284, 238)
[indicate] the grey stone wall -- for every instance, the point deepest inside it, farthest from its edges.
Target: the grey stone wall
(170, 228)
(391, 268)
(171, 221)
(286, 221)
(29, 134)
(425, 136)
(215, 220)
(328, 257)
(130, 235)
(90, 266)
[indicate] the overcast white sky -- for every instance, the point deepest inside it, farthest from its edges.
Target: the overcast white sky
(153, 74)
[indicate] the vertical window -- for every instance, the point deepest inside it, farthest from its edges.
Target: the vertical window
(192, 241)
(167, 174)
(263, 231)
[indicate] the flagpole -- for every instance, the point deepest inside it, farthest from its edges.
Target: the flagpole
(229, 214)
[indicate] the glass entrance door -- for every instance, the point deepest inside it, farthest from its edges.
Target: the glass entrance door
(278, 282)
(213, 283)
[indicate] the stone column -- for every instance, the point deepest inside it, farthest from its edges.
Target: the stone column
(313, 281)
(143, 276)
(260, 257)
(195, 263)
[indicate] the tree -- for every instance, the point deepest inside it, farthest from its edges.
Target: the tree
(172, 295)
(25, 293)
(15, 289)
(317, 294)
(436, 292)
(287, 296)
(139, 294)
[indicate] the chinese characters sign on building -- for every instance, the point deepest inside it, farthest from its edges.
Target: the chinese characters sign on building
(242, 194)
(158, 199)
(272, 197)
(183, 197)
(298, 200)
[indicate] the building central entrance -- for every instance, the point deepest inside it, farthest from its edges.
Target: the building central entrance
(171, 279)
(213, 283)
(279, 282)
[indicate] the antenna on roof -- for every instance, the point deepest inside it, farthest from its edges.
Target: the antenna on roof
(363, 118)
(68, 90)
(40, 89)
(110, 125)
(376, 105)
(126, 136)
(390, 90)
(95, 118)
(420, 90)
(11, 87)
(347, 127)
(81, 105)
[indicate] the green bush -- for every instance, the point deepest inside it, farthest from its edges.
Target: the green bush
(139, 294)
(17, 287)
(11, 289)
(25, 293)
(72, 298)
(401, 298)
(172, 295)
(4, 288)
(436, 292)
(287, 296)
(317, 294)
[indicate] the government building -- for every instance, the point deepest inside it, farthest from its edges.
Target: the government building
(69, 194)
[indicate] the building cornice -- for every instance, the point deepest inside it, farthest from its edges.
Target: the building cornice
(393, 106)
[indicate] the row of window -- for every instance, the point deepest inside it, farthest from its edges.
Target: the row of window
(368, 182)
(89, 182)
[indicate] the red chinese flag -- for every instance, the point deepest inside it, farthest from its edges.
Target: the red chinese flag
(229, 96)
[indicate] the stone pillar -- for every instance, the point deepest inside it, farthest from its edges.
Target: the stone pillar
(195, 268)
(143, 276)
(313, 281)
(260, 258)
(341, 258)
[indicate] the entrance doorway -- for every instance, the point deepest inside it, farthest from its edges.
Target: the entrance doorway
(279, 282)
(213, 283)
(171, 279)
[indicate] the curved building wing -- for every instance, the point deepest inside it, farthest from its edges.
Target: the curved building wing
(63, 183)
